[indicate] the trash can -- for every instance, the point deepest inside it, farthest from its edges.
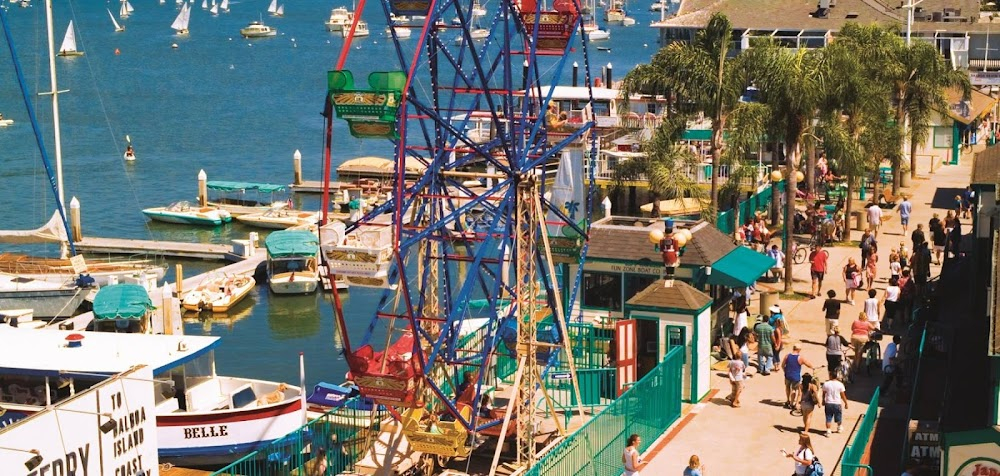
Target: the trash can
(767, 299)
(861, 217)
(904, 178)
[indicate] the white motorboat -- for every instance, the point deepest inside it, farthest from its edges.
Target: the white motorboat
(182, 212)
(292, 261)
(628, 21)
(280, 218)
(598, 34)
(257, 29)
(231, 416)
(5, 122)
(360, 30)
(46, 299)
(241, 198)
(218, 294)
(68, 47)
(658, 6)
(340, 18)
(475, 34)
(402, 32)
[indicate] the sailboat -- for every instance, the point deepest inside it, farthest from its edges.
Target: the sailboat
(214, 10)
(118, 28)
(68, 47)
(183, 18)
(125, 10)
(224, 6)
(275, 10)
(204, 4)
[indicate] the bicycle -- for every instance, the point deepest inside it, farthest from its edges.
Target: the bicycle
(872, 353)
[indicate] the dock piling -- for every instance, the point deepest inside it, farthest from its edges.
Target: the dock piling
(76, 231)
(297, 167)
(202, 188)
(179, 277)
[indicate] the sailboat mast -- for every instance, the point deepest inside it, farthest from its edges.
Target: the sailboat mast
(55, 100)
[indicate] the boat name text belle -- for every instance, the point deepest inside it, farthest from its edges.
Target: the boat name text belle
(206, 431)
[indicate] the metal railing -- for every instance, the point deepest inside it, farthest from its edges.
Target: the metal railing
(325, 446)
(854, 458)
(648, 409)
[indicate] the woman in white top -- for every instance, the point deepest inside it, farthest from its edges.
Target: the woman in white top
(889, 300)
(803, 456)
(741, 321)
(630, 458)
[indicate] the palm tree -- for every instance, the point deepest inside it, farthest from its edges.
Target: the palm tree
(702, 75)
(918, 75)
(792, 84)
(664, 164)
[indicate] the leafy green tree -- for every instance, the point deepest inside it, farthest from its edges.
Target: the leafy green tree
(664, 164)
(702, 75)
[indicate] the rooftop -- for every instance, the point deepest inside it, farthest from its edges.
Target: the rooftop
(799, 14)
(627, 239)
(986, 167)
(680, 295)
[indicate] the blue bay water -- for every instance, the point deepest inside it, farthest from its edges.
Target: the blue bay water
(234, 107)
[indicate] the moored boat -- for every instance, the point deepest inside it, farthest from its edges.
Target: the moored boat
(202, 418)
(292, 261)
(184, 213)
(47, 300)
(59, 270)
(241, 198)
(123, 308)
(279, 218)
(218, 294)
(257, 29)
(340, 19)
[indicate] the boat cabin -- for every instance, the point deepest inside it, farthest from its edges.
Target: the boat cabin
(292, 261)
(123, 308)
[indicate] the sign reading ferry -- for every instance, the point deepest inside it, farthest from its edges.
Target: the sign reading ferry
(130, 445)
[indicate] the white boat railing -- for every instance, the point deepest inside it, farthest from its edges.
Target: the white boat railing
(604, 169)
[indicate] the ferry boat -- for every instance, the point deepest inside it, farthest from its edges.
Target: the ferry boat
(202, 418)
(292, 261)
(257, 29)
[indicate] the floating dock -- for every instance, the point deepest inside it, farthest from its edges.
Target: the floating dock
(122, 246)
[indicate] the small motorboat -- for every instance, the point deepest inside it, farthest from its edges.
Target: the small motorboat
(257, 29)
(292, 261)
(218, 294)
(5, 122)
(182, 212)
(628, 21)
(599, 34)
(280, 218)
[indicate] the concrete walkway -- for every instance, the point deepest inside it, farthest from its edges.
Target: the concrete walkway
(748, 440)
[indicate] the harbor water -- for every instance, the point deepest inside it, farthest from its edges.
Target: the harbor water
(236, 108)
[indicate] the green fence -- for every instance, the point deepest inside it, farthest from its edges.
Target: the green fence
(325, 446)
(759, 201)
(853, 461)
(647, 408)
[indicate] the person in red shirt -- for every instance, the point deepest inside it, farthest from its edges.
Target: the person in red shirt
(817, 268)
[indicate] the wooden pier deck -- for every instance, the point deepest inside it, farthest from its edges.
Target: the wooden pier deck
(177, 249)
(315, 186)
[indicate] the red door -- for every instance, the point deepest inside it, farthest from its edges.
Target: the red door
(625, 340)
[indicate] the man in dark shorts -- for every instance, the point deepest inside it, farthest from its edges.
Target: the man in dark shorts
(831, 308)
(817, 268)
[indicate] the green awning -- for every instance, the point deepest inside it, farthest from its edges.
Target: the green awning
(224, 186)
(286, 243)
(122, 301)
(740, 268)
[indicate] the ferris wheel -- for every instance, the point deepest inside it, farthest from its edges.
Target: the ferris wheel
(491, 202)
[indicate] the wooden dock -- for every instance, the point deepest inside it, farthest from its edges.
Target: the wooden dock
(316, 186)
(121, 246)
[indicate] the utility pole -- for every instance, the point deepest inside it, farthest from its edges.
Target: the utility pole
(909, 17)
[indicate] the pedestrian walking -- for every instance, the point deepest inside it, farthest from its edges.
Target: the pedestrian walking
(918, 235)
(894, 267)
(742, 316)
(904, 253)
(777, 321)
(737, 380)
(852, 279)
(889, 358)
(631, 458)
(835, 345)
(802, 456)
(834, 402)
(765, 346)
(831, 308)
(967, 196)
(891, 302)
(860, 331)
(808, 400)
(743, 340)
(817, 268)
(793, 363)
(694, 467)
(905, 207)
(867, 245)
(871, 271)
(874, 218)
(872, 307)
(938, 237)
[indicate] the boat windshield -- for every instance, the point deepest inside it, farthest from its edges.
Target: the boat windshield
(292, 265)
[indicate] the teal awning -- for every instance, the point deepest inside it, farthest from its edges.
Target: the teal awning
(740, 268)
(286, 243)
(122, 301)
(224, 186)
